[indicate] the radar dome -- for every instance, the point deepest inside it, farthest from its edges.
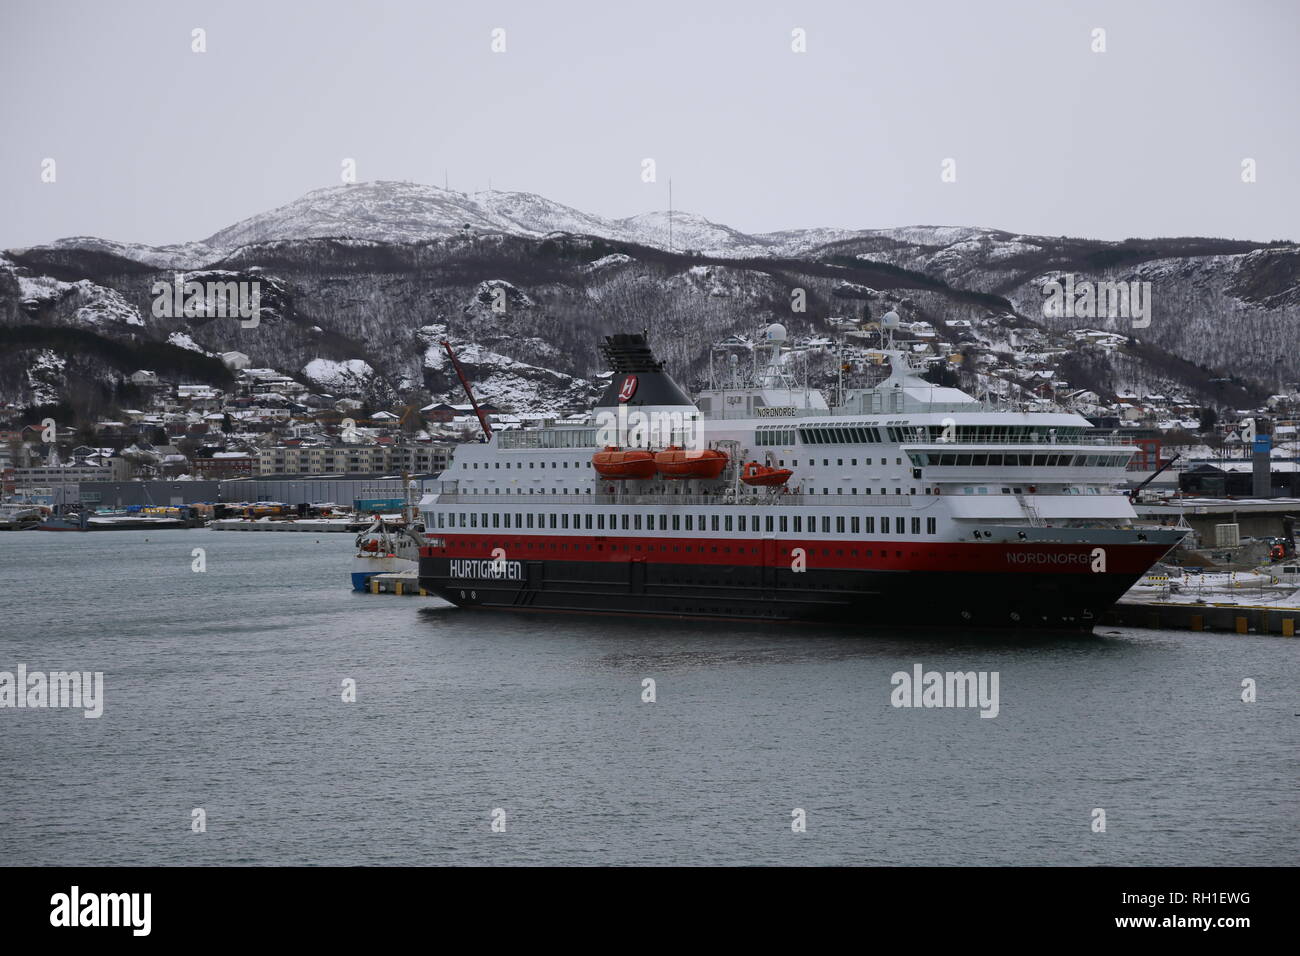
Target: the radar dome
(890, 320)
(775, 332)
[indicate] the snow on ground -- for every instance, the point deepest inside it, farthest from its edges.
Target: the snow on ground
(45, 376)
(94, 304)
(604, 262)
(1259, 588)
(349, 375)
(37, 289)
(101, 306)
(502, 380)
(720, 281)
(182, 340)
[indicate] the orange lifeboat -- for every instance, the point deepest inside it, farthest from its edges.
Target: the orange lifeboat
(762, 475)
(621, 465)
(676, 462)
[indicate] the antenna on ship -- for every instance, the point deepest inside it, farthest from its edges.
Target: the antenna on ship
(889, 321)
(839, 374)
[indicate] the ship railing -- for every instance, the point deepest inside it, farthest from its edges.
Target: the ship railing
(792, 500)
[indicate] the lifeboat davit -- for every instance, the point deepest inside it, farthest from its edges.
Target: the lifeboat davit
(676, 462)
(763, 475)
(622, 465)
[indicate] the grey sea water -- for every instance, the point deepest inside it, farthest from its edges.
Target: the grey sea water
(223, 691)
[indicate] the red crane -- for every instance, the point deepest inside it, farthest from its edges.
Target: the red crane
(460, 373)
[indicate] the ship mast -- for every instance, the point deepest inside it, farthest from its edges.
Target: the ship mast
(460, 373)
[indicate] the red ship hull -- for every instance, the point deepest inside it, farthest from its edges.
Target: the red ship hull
(1042, 586)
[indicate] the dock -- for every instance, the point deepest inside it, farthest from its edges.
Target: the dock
(1222, 618)
(398, 582)
(312, 525)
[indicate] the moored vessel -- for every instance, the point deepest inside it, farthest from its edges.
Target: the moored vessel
(19, 516)
(903, 503)
(388, 546)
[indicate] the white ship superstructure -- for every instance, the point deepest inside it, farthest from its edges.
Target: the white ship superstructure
(905, 501)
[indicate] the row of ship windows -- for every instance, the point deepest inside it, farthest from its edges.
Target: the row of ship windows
(527, 545)
(798, 524)
(949, 459)
(814, 435)
(1019, 461)
(859, 434)
(1068, 490)
(794, 463)
(966, 490)
(806, 491)
(531, 464)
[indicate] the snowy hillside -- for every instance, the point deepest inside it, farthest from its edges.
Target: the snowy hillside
(353, 274)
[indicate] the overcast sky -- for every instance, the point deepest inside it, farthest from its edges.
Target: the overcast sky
(155, 143)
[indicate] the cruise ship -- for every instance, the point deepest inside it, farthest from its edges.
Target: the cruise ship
(902, 503)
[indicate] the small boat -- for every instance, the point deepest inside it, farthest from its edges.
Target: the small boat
(676, 462)
(16, 516)
(131, 518)
(620, 465)
(764, 475)
(385, 548)
(68, 521)
(390, 545)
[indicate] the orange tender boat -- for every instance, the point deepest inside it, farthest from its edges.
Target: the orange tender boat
(756, 474)
(676, 462)
(621, 465)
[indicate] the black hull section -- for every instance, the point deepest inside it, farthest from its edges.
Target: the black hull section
(859, 597)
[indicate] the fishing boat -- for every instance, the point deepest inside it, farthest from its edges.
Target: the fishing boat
(388, 546)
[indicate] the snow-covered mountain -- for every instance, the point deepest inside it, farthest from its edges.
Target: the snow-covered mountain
(396, 212)
(409, 212)
(354, 277)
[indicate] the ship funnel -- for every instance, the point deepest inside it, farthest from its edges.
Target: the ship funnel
(639, 378)
(643, 407)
